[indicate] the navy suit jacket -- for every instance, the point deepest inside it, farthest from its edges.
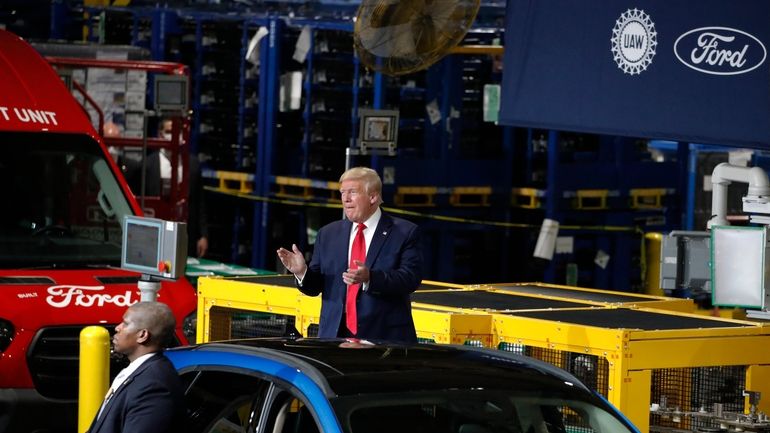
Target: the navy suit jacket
(150, 400)
(394, 260)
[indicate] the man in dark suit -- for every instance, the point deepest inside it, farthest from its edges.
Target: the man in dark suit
(197, 212)
(197, 208)
(147, 395)
(363, 298)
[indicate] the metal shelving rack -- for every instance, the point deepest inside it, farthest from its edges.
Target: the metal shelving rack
(448, 158)
(605, 192)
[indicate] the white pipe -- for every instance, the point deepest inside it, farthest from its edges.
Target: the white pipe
(722, 176)
(149, 290)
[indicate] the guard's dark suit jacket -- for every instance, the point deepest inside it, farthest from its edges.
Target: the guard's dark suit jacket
(149, 401)
(394, 260)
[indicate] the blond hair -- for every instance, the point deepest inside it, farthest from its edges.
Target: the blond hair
(370, 178)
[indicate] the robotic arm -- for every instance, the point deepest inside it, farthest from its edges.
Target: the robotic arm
(756, 201)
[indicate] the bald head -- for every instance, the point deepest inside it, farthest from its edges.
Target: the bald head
(157, 318)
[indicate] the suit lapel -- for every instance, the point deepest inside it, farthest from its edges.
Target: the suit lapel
(123, 386)
(343, 243)
(378, 240)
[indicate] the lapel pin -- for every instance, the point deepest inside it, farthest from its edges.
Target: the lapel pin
(384, 233)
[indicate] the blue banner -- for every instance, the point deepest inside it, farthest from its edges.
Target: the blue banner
(694, 71)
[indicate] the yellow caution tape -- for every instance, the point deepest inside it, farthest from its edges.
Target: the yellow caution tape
(635, 229)
(289, 202)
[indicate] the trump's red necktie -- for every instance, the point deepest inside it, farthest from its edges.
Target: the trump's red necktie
(357, 252)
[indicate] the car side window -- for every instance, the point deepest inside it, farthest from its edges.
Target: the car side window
(223, 401)
(241, 416)
(406, 418)
(553, 419)
(289, 414)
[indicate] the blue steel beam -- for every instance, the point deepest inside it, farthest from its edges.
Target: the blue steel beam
(270, 61)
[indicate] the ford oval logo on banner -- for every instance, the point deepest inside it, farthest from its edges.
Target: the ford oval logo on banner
(720, 51)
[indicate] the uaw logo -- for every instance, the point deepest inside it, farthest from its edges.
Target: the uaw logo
(720, 51)
(634, 41)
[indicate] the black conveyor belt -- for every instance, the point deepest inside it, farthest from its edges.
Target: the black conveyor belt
(277, 280)
(623, 318)
(490, 300)
(574, 294)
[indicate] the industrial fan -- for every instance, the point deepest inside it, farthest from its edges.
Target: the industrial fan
(397, 37)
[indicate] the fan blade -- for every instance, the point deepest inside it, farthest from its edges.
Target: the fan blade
(388, 41)
(386, 14)
(397, 37)
(425, 40)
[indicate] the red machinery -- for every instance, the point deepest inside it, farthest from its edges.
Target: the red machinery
(170, 203)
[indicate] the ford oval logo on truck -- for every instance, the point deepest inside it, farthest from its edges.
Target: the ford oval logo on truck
(720, 51)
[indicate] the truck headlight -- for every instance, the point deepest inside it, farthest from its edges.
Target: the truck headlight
(6, 334)
(190, 326)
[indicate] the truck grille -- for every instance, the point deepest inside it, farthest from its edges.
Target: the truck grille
(53, 361)
(25, 280)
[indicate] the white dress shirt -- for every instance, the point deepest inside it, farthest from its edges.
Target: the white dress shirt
(371, 226)
(121, 378)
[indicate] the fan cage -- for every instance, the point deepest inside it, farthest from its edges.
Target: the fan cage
(375, 17)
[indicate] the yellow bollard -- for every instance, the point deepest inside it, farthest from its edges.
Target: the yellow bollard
(653, 242)
(94, 378)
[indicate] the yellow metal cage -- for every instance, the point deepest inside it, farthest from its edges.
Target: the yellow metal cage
(667, 358)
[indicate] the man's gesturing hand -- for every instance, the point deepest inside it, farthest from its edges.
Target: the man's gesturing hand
(293, 260)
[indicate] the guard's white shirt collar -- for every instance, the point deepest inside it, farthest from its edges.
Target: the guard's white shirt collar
(123, 375)
(121, 378)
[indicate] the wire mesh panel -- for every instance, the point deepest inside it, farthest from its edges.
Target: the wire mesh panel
(229, 323)
(574, 422)
(683, 393)
(592, 370)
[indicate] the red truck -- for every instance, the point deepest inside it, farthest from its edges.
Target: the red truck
(60, 239)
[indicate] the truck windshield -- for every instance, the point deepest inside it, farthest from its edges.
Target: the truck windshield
(63, 204)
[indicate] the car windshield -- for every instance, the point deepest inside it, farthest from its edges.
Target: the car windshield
(63, 204)
(474, 411)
